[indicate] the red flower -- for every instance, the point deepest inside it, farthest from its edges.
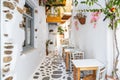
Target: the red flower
(112, 9)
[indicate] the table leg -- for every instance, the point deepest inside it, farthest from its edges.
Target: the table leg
(94, 73)
(78, 74)
(74, 72)
(67, 58)
(63, 54)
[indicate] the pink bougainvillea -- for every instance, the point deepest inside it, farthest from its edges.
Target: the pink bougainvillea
(94, 18)
(44, 1)
(76, 25)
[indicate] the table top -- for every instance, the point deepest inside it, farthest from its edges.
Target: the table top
(87, 63)
(64, 45)
(69, 50)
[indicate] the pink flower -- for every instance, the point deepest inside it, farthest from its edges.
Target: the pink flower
(95, 17)
(44, 1)
(76, 25)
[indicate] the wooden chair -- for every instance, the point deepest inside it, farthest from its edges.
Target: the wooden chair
(78, 55)
(75, 56)
(101, 75)
(89, 77)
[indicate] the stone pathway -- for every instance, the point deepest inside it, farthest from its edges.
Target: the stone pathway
(52, 68)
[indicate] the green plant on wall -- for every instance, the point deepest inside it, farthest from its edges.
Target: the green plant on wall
(112, 12)
(60, 30)
(51, 2)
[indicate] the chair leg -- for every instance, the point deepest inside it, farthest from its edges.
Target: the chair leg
(82, 74)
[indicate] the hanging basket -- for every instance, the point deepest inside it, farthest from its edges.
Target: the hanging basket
(82, 20)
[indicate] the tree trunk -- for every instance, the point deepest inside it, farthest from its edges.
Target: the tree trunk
(117, 53)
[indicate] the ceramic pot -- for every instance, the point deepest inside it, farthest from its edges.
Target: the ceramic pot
(82, 20)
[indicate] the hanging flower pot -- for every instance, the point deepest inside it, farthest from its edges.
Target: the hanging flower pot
(81, 18)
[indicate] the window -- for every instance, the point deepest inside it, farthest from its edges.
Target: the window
(28, 17)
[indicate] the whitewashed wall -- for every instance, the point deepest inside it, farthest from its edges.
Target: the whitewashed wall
(111, 50)
(118, 40)
(52, 37)
(92, 40)
(23, 65)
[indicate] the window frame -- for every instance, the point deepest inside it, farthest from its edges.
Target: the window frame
(31, 18)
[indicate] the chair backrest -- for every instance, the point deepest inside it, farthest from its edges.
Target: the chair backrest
(102, 73)
(75, 56)
(78, 55)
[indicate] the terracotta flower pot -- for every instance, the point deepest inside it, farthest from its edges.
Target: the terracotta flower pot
(61, 35)
(82, 20)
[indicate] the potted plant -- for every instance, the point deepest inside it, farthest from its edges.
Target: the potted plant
(60, 31)
(50, 2)
(81, 18)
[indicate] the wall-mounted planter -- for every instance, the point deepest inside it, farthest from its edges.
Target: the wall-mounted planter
(61, 35)
(81, 17)
(82, 20)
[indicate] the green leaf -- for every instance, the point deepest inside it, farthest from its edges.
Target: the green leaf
(76, 2)
(89, 4)
(83, 2)
(92, 3)
(118, 14)
(115, 24)
(87, 10)
(111, 17)
(118, 20)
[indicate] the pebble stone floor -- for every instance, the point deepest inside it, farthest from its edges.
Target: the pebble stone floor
(52, 68)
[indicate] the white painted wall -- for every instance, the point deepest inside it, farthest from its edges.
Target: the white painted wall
(111, 50)
(52, 37)
(118, 40)
(24, 65)
(35, 56)
(92, 40)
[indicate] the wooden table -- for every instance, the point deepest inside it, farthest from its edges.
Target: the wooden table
(86, 64)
